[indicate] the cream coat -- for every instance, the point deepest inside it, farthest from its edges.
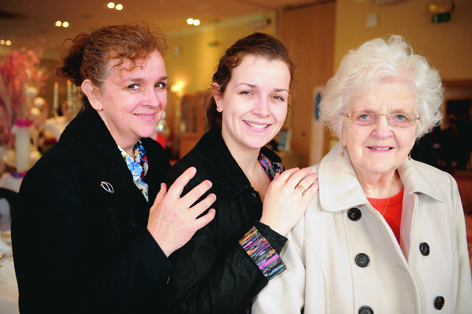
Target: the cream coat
(322, 275)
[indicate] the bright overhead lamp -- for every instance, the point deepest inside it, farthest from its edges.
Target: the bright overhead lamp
(189, 21)
(119, 7)
(111, 5)
(65, 24)
(58, 23)
(196, 22)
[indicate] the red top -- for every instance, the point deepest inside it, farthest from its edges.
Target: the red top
(393, 213)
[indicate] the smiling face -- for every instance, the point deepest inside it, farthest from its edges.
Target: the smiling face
(254, 104)
(380, 148)
(134, 101)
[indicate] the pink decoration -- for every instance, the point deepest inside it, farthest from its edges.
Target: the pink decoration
(19, 69)
(23, 122)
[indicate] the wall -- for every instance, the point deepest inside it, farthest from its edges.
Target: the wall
(194, 54)
(310, 30)
(448, 46)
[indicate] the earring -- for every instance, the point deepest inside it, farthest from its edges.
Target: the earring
(342, 152)
(217, 108)
(100, 110)
(409, 155)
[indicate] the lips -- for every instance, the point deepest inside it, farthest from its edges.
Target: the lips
(380, 148)
(257, 126)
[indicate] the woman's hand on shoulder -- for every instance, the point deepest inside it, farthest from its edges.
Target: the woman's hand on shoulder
(287, 199)
(172, 220)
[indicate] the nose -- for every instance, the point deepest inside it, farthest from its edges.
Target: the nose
(261, 107)
(382, 129)
(156, 99)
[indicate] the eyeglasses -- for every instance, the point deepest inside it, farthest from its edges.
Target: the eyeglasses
(400, 119)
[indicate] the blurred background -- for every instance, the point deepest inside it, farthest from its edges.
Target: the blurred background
(320, 33)
(32, 33)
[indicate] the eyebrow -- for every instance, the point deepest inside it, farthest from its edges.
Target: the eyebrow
(255, 86)
(139, 79)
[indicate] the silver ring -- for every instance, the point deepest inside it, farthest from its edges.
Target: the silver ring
(301, 188)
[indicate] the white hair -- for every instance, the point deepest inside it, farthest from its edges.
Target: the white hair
(370, 64)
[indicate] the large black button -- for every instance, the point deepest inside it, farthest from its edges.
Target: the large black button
(366, 310)
(354, 214)
(439, 303)
(362, 260)
(424, 249)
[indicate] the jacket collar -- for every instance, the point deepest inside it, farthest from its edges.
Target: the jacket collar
(90, 142)
(228, 178)
(339, 188)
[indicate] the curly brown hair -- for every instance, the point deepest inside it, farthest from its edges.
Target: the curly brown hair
(90, 54)
(256, 44)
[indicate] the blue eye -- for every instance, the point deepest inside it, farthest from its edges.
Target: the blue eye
(364, 116)
(400, 117)
(245, 92)
(279, 98)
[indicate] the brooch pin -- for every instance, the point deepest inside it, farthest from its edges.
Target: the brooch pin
(107, 187)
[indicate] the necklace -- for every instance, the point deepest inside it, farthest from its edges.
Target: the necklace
(390, 196)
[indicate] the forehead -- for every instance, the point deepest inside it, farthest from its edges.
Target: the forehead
(125, 67)
(387, 96)
(259, 67)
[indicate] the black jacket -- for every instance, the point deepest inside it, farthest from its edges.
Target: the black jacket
(77, 247)
(214, 274)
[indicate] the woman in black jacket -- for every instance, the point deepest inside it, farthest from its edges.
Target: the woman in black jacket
(94, 224)
(224, 266)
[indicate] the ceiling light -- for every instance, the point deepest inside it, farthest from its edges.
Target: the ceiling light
(8, 43)
(119, 7)
(196, 22)
(58, 23)
(189, 21)
(2, 42)
(65, 24)
(110, 5)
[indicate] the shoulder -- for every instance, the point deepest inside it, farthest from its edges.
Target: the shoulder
(57, 157)
(441, 177)
(192, 159)
(56, 174)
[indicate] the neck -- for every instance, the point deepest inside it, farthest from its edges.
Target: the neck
(249, 164)
(380, 186)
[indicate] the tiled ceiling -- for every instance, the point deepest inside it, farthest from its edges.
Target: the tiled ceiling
(25, 21)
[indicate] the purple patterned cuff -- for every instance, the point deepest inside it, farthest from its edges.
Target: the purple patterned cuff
(260, 251)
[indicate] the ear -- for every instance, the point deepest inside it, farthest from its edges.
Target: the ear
(93, 94)
(215, 90)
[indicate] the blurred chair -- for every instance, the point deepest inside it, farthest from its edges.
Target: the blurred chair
(7, 201)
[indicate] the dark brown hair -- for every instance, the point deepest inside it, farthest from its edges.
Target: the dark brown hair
(256, 44)
(90, 54)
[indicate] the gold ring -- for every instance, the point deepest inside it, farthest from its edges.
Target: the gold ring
(302, 189)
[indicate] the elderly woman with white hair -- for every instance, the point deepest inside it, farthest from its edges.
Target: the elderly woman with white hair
(386, 233)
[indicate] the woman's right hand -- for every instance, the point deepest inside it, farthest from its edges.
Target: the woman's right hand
(172, 220)
(285, 203)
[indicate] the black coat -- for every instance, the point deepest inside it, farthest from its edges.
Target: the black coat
(214, 274)
(77, 247)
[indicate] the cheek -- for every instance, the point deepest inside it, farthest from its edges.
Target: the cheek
(280, 112)
(163, 101)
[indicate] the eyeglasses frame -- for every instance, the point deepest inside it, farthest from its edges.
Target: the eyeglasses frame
(348, 115)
